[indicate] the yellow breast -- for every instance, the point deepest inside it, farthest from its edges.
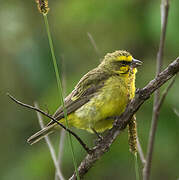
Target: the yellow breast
(111, 100)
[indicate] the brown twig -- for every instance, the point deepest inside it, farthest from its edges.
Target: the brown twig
(50, 146)
(53, 119)
(141, 96)
(166, 92)
(156, 109)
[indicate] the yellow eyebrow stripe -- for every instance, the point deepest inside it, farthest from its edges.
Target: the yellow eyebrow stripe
(124, 58)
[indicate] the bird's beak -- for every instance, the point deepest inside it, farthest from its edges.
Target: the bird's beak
(136, 63)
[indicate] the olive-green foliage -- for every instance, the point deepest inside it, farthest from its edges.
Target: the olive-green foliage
(27, 72)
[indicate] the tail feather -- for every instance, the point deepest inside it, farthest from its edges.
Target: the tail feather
(40, 134)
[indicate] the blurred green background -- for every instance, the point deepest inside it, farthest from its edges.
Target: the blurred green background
(26, 71)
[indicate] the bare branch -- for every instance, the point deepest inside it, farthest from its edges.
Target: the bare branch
(49, 116)
(164, 20)
(50, 146)
(155, 115)
(166, 92)
(121, 122)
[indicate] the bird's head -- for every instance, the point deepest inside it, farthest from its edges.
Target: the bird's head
(120, 62)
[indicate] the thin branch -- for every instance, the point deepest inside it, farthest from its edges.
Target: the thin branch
(140, 152)
(166, 92)
(155, 115)
(93, 44)
(49, 116)
(121, 122)
(50, 146)
(158, 107)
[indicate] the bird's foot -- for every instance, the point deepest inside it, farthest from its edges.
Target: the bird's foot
(99, 137)
(98, 140)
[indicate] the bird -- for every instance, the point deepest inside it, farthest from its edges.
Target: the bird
(100, 95)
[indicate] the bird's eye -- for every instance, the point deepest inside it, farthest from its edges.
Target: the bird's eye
(125, 62)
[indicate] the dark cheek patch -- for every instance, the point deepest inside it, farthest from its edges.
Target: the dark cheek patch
(125, 62)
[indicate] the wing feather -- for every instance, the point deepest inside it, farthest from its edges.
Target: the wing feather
(87, 87)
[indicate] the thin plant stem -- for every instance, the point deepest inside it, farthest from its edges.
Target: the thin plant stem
(50, 146)
(155, 115)
(60, 151)
(62, 132)
(93, 44)
(140, 152)
(136, 167)
(60, 91)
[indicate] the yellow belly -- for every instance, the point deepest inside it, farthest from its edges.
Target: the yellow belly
(110, 101)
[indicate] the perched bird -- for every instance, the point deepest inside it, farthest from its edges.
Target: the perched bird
(100, 95)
